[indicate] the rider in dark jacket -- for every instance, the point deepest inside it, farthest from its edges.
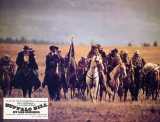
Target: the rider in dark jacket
(26, 56)
(51, 58)
(26, 60)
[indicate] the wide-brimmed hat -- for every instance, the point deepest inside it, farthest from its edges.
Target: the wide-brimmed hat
(26, 47)
(53, 47)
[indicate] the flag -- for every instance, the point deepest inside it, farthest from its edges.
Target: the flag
(71, 52)
(71, 62)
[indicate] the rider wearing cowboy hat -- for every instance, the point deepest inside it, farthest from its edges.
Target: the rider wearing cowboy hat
(26, 56)
(51, 58)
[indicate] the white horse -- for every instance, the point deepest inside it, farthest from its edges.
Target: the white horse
(92, 78)
(118, 72)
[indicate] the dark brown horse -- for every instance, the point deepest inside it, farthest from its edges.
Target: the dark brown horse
(26, 80)
(53, 81)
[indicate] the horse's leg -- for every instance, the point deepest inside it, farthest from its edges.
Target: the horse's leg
(50, 92)
(146, 94)
(10, 90)
(24, 92)
(91, 94)
(64, 90)
(137, 92)
(83, 92)
(156, 94)
(101, 93)
(125, 93)
(58, 93)
(54, 93)
(114, 94)
(71, 90)
(74, 91)
(97, 91)
(29, 92)
(4, 92)
(110, 95)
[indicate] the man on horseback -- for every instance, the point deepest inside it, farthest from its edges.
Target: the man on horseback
(82, 63)
(113, 59)
(137, 60)
(27, 70)
(138, 64)
(51, 58)
(99, 56)
(102, 52)
(125, 58)
(127, 81)
(27, 56)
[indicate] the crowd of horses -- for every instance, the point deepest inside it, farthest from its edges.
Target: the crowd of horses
(90, 82)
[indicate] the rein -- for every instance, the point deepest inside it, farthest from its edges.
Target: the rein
(92, 78)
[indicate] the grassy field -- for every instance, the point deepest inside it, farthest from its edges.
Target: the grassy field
(85, 111)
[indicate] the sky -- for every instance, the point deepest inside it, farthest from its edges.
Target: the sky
(102, 21)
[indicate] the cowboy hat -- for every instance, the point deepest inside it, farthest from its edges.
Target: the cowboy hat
(53, 47)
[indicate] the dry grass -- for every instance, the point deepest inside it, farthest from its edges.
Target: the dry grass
(77, 110)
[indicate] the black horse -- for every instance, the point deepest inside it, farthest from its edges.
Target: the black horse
(137, 84)
(81, 85)
(53, 79)
(26, 79)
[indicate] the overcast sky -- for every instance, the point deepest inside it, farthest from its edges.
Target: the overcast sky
(104, 21)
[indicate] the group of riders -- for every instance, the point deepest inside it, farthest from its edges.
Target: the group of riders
(57, 66)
